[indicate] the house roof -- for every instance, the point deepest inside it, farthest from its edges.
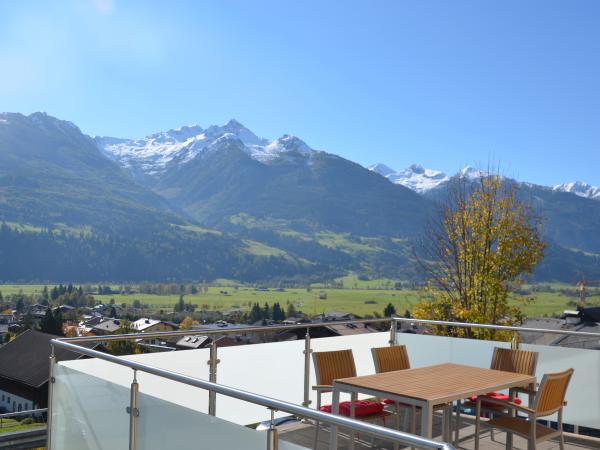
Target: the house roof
(192, 341)
(25, 359)
(110, 325)
(142, 324)
(350, 329)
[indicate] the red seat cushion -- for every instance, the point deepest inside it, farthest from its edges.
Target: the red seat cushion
(362, 408)
(389, 401)
(496, 396)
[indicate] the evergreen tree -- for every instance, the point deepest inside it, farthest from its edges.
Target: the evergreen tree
(52, 322)
(20, 305)
(180, 305)
(389, 311)
(256, 314)
(266, 312)
(28, 320)
(278, 314)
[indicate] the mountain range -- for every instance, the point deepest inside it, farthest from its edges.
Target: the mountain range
(422, 180)
(200, 203)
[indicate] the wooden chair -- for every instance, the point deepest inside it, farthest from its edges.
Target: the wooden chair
(388, 359)
(549, 399)
(333, 365)
(507, 360)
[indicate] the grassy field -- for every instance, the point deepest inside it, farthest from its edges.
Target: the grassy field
(11, 425)
(366, 299)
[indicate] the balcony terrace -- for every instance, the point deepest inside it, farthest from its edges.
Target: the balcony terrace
(209, 398)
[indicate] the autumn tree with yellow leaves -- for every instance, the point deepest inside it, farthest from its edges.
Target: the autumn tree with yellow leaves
(484, 243)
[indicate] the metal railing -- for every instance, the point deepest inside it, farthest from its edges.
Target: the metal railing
(30, 412)
(301, 411)
(394, 436)
(494, 327)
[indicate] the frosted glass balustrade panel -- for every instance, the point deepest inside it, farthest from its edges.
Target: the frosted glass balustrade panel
(88, 413)
(277, 370)
(426, 350)
(583, 395)
(162, 425)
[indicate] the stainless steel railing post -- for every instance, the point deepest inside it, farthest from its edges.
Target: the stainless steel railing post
(307, 351)
(393, 330)
(133, 411)
(272, 437)
(212, 377)
(50, 392)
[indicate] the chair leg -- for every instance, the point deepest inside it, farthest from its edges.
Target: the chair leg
(317, 423)
(509, 441)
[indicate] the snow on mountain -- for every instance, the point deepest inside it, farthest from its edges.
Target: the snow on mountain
(414, 177)
(154, 153)
(470, 173)
(579, 188)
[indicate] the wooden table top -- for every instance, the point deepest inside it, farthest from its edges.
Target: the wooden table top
(440, 383)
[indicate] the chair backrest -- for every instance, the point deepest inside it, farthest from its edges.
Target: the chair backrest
(331, 366)
(551, 395)
(387, 359)
(516, 361)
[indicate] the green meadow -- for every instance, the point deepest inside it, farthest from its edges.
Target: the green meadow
(367, 298)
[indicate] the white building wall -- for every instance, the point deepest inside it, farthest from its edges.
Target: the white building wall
(10, 402)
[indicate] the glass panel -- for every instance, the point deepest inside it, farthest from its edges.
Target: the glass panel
(275, 370)
(583, 396)
(88, 413)
(425, 350)
(165, 425)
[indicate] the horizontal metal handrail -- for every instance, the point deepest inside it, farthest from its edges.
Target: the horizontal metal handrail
(236, 330)
(271, 403)
(494, 327)
(23, 413)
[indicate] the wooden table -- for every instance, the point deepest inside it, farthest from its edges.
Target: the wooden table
(426, 387)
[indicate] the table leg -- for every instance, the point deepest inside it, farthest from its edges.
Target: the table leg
(335, 409)
(353, 398)
(427, 420)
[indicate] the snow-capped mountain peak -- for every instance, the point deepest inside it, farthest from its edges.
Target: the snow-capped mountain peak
(153, 154)
(415, 177)
(471, 173)
(579, 188)
(381, 169)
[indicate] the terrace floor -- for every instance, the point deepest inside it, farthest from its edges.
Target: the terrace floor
(304, 435)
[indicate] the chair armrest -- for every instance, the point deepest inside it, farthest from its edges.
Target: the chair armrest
(322, 388)
(509, 405)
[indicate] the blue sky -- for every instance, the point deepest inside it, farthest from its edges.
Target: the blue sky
(441, 83)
